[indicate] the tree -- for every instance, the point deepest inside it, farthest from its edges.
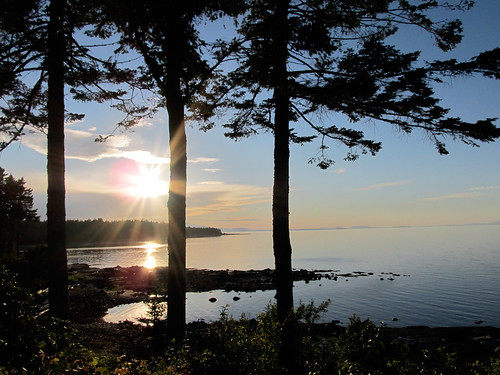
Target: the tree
(165, 35)
(37, 41)
(16, 207)
(56, 188)
(301, 59)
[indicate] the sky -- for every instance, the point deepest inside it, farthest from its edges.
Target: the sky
(230, 183)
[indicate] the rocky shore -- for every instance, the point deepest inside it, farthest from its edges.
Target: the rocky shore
(94, 290)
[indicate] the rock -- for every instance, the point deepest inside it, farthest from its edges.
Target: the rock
(478, 322)
(212, 299)
(394, 319)
(236, 298)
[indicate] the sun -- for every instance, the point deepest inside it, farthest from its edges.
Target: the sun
(146, 183)
(138, 180)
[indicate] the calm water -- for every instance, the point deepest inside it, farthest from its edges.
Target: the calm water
(450, 276)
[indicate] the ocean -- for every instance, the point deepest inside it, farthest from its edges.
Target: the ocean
(433, 276)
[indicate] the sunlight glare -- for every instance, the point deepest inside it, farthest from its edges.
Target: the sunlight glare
(147, 184)
(138, 180)
(149, 249)
(150, 262)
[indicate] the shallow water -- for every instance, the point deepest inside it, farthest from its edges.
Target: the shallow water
(452, 273)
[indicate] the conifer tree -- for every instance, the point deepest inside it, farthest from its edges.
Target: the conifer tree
(165, 35)
(39, 57)
(301, 59)
(16, 207)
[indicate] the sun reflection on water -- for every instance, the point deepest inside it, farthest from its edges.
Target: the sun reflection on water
(150, 248)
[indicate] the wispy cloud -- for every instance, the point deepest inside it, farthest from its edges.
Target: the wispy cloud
(211, 183)
(212, 170)
(144, 157)
(383, 185)
(214, 198)
(203, 160)
(473, 192)
(451, 196)
(340, 170)
(80, 145)
(483, 188)
(238, 219)
(143, 122)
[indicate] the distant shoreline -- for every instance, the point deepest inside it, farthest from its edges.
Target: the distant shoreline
(101, 233)
(74, 246)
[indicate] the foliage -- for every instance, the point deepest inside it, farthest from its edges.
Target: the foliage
(24, 70)
(30, 340)
(229, 346)
(32, 343)
(299, 61)
(165, 35)
(338, 57)
(360, 349)
(16, 208)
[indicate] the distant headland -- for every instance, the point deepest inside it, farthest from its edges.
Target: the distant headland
(99, 232)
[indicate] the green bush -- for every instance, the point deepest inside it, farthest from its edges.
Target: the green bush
(17, 322)
(34, 344)
(229, 346)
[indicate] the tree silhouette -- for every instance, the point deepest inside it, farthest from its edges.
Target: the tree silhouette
(165, 35)
(16, 207)
(38, 58)
(301, 59)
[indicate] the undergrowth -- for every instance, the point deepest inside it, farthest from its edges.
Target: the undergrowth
(34, 344)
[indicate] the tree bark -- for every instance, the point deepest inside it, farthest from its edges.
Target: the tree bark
(176, 299)
(289, 351)
(281, 226)
(56, 211)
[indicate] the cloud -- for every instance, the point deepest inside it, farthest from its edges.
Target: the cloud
(214, 198)
(144, 157)
(80, 145)
(484, 188)
(451, 196)
(243, 219)
(203, 160)
(383, 185)
(211, 183)
(212, 170)
(340, 170)
(118, 141)
(143, 122)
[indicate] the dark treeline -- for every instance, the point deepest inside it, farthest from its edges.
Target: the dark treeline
(103, 232)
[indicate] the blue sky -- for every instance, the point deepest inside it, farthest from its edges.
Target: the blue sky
(230, 183)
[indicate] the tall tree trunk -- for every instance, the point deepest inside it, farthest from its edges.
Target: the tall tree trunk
(288, 353)
(176, 300)
(56, 211)
(281, 226)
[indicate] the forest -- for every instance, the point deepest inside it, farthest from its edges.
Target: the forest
(99, 232)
